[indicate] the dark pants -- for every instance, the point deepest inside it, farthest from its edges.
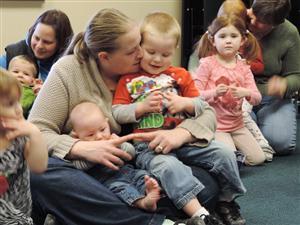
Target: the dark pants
(76, 198)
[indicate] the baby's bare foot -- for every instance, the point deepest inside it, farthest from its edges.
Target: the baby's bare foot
(149, 202)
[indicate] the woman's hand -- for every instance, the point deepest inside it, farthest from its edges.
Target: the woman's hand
(277, 86)
(105, 152)
(164, 141)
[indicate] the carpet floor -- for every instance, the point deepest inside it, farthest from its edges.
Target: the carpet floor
(273, 191)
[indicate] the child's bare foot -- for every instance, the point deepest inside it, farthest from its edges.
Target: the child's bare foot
(149, 202)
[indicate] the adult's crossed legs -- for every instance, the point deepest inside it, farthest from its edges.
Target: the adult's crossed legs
(277, 120)
(76, 198)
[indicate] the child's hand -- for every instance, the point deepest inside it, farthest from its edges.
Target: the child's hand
(16, 127)
(37, 86)
(152, 103)
(176, 103)
(239, 92)
(113, 136)
(35, 151)
(221, 89)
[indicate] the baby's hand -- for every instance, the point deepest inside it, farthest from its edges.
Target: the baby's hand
(37, 86)
(114, 136)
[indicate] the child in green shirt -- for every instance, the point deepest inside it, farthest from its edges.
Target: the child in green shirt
(25, 70)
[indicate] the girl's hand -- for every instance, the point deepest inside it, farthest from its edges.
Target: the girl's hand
(105, 152)
(240, 92)
(35, 151)
(16, 127)
(221, 89)
(164, 141)
(176, 103)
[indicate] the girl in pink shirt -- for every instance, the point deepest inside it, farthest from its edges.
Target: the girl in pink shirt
(224, 80)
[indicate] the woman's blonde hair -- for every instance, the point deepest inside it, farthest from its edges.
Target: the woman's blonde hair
(250, 48)
(161, 23)
(100, 34)
(9, 85)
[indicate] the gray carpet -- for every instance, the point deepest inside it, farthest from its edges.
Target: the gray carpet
(273, 196)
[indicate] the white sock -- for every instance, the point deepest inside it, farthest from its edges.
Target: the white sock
(202, 212)
(168, 222)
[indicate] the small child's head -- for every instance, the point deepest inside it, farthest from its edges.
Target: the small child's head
(10, 94)
(24, 69)
(89, 122)
(225, 36)
(233, 7)
(160, 38)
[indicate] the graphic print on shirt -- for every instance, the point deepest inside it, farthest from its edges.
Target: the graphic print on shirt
(228, 100)
(139, 88)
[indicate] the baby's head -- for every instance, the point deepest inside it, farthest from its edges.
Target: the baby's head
(89, 122)
(24, 69)
(233, 7)
(10, 94)
(160, 37)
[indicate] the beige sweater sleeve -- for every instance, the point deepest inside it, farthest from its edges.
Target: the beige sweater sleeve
(202, 127)
(51, 110)
(68, 84)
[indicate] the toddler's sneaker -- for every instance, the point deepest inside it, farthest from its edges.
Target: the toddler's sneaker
(212, 219)
(191, 221)
(203, 220)
(230, 213)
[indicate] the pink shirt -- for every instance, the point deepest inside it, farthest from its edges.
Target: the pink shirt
(210, 74)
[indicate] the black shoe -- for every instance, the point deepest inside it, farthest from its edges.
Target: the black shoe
(230, 213)
(213, 219)
(191, 221)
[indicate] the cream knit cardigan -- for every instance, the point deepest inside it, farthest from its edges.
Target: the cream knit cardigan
(69, 83)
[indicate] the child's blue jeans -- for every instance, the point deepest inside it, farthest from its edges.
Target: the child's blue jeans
(176, 177)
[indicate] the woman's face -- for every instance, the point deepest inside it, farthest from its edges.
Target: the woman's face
(127, 58)
(257, 27)
(43, 41)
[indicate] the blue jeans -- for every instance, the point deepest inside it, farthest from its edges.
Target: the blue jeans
(178, 181)
(277, 120)
(127, 183)
(75, 197)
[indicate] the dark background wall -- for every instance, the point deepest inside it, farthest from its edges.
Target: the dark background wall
(198, 14)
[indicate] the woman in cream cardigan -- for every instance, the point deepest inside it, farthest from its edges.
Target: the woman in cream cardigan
(109, 47)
